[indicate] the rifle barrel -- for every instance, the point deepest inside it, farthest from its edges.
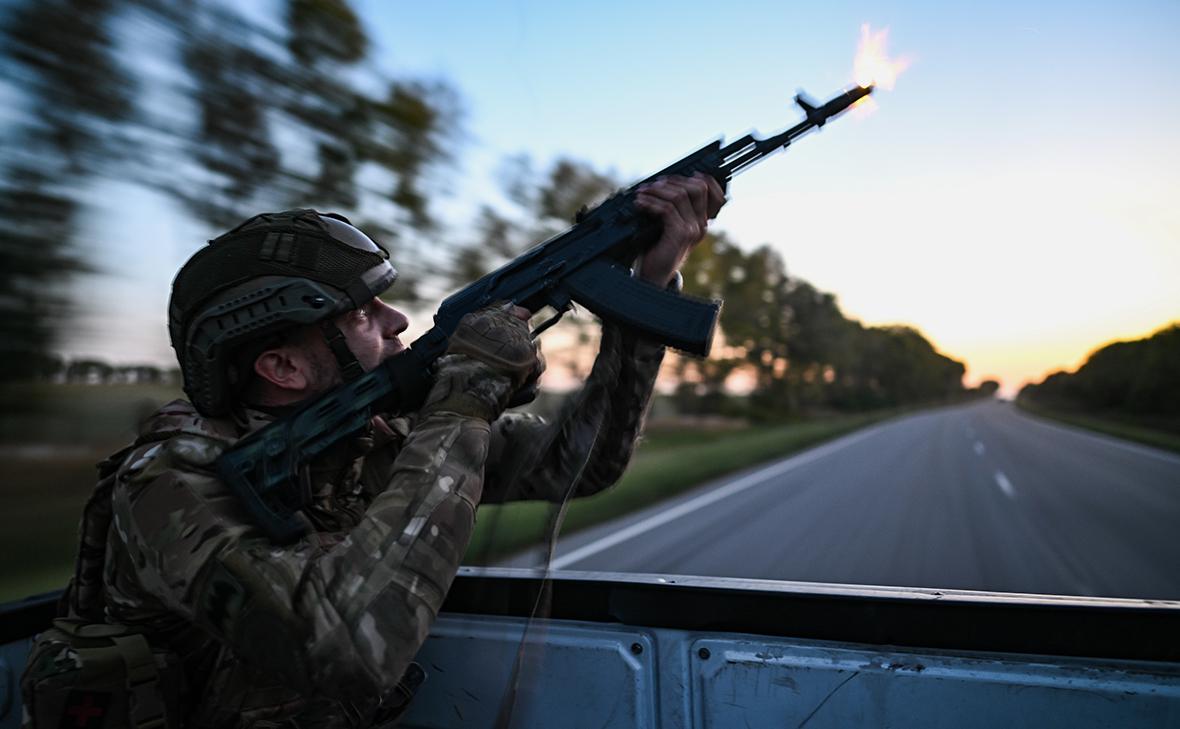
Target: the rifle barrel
(816, 117)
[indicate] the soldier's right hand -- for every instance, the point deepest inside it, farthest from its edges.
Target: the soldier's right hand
(490, 357)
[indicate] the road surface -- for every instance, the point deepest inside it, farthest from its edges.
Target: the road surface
(978, 497)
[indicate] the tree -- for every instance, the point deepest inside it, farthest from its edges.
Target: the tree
(58, 55)
(1135, 377)
(353, 139)
(988, 388)
(90, 371)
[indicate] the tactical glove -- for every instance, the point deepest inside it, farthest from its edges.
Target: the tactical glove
(490, 358)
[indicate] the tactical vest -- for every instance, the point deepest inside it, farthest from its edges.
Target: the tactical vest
(88, 673)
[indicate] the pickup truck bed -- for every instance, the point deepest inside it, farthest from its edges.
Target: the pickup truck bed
(650, 651)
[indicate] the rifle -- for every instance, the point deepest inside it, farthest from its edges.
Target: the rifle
(587, 264)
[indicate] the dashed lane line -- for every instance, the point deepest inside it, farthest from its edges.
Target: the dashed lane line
(1005, 485)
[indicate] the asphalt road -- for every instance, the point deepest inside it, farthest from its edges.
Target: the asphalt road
(978, 497)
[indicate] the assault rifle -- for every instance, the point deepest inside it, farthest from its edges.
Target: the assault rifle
(587, 264)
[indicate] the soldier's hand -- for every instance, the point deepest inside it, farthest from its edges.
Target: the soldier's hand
(490, 358)
(684, 205)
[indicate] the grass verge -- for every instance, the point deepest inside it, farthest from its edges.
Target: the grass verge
(666, 465)
(51, 437)
(74, 427)
(75, 414)
(43, 499)
(1107, 425)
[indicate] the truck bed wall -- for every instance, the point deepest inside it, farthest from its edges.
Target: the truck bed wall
(646, 651)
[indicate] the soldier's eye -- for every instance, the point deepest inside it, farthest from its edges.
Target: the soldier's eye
(364, 312)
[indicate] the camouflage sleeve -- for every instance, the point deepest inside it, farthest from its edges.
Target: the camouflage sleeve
(598, 426)
(340, 617)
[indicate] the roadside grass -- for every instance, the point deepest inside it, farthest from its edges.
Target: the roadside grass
(53, 435)
(77, 415)
(43, 500)
(666, 464)
(1118, 426)
(51, 438)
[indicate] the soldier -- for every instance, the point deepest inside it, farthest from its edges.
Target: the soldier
(321, 632)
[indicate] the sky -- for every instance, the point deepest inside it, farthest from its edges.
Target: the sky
(1013, 197)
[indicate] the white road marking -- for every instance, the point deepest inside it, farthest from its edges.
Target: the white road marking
(979, 449)
(724, 492)
(1005, 485)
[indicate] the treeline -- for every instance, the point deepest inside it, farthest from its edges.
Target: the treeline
(797, 349)
(1140, 377)
(89, 371)
(224, 116)
(785, 341)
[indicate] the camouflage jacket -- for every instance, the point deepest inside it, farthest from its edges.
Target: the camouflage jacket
(316, 633)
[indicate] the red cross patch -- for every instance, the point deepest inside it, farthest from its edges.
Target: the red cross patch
(85, 710)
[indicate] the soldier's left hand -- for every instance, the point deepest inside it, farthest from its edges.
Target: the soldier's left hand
(684, 205)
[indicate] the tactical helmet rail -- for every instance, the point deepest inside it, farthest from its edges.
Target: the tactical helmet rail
(270, 274)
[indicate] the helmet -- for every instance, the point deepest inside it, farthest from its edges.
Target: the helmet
(273, 272)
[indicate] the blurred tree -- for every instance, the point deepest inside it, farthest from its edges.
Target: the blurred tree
(195, 101)
(61, 55)
(988, 388)
(407, 133)
(37, 259)
(57, 57)
(310, 86)
(232, 141)
(1137, 377)
(325, 31)
(821, 345)
(547, 203)
(569, 187)
(89, 371)
(49, 366)
(753, 318)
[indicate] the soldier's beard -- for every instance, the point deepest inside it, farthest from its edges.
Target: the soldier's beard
(325, 374)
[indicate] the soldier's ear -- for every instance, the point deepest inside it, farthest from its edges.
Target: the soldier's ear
(285, 368)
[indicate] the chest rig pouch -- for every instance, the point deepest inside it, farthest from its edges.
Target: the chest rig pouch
(99, 676)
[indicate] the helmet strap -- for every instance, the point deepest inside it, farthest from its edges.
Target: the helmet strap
(350, 366)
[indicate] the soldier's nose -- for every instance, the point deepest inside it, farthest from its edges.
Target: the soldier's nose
(395, 322)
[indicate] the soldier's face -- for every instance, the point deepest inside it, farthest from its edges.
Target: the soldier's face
(304, 366)
(372, 332)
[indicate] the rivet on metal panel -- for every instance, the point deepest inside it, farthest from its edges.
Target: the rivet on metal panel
(704, 654)
(636, 648)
